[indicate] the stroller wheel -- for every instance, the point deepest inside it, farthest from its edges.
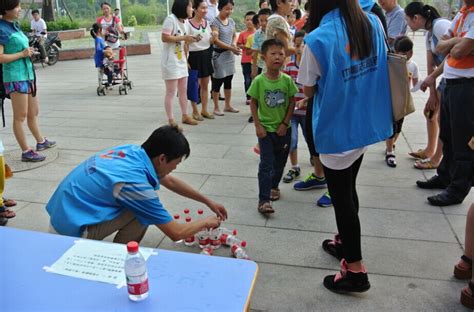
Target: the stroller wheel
(98, 91)
(125, 90)
(130, 84)
(120, 90)
(103, 91)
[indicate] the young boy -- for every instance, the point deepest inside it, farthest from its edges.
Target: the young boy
(246, 58)
(274, 92)
(403, 46)
(39, 29)
(258, 39)
(299, 115)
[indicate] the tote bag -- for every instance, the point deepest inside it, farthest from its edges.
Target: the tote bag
(193, 86)
(402, 101)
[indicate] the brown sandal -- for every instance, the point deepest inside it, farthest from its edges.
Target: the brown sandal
(265, 207)
(275, 194)
(420, 154)
(7, 213)
(463, 273)
(467, 296)
(9, 202)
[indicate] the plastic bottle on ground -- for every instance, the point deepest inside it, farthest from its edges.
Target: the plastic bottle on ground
(239, 251)
(230, 240)
(176, 218)
(228, 232)
(203, 235)
(190, 240)
(207, 251)
(215, 238)
(136, 273)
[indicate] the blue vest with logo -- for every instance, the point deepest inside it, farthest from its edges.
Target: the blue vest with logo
(352, 107)
(85, 197)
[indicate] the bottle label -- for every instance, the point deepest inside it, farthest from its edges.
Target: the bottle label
(138, 289)
(215, 242)
(204, 242)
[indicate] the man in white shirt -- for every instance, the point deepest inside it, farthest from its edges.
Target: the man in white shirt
(39, 29)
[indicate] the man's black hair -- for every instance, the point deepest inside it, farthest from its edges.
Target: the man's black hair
(35, 11)
(261, 2)
(223, 3)
(255, 20)
(403, 44)
(265, 11)
(116, 9)
(271, 43)
(180, 8)
(105, 3)
(167, 140)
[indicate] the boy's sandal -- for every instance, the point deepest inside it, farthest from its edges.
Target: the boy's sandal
(390, 160)
(7, 213)
(463, 273)
(265, 208)
(275, 194)
(420, 154)
(467, 296)
(9, 202)
(425, 164)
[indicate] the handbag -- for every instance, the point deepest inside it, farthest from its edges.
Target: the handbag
(112, 35)
(193, 86)
(402, 101)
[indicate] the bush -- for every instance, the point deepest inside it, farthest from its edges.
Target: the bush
(132, 21)
(143, 15)
(62, 24)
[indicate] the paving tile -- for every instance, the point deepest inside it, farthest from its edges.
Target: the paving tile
(33, 217)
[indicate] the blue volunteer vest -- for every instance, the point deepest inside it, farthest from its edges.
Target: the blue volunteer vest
(352, 107)
(85, 196)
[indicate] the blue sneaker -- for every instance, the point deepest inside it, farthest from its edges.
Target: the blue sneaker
(32, 156)
(311, 182)
(46, 144)
(325, 200)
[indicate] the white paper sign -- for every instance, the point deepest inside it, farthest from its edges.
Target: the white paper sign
(96, 261)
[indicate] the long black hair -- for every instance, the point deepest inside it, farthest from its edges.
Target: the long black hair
(427, 11)
(358, 27)
(7, 5)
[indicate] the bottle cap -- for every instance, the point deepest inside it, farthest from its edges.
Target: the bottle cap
(186, 211)
(188, 219)
(243, 244)
(132, 247)
(223, 238)
(234, 232)
(200, 211)
(234, 248)
(176, 216)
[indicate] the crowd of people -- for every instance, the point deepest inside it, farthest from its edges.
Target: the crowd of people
(305, 66)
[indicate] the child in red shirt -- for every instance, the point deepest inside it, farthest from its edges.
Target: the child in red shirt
(246, 58)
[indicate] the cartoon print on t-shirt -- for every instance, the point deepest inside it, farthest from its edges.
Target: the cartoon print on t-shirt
(274, 98)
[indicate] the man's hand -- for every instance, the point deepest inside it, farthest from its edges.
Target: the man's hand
(281, 131)
(301, 103)
(260, 131)
(219, 210)
(431, 105)
(429, 82)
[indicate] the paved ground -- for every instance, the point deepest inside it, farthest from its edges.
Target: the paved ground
(409, 247)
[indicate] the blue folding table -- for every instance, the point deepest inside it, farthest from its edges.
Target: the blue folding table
(178, 281)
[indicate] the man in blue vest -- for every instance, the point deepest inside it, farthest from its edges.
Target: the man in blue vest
(115, 191)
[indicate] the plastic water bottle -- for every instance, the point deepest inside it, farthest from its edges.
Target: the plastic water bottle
(215, 238)
(207, 251)
(135, 273)
(228, 232)
(230, 240)
(190, 240)
(203, 235)
(239, 251)
(176, 218)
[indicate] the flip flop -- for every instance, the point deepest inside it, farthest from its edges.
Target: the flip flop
(231, 110)
(420, 154)
(425, 164)
(218, 113)
(9, 202)
(7, 213)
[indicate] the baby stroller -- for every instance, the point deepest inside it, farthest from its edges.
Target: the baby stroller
(118, 75)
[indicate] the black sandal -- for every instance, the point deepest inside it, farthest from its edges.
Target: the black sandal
(390, 160)
(463, 273)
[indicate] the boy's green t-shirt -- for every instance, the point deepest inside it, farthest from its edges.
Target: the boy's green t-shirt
(273, 98)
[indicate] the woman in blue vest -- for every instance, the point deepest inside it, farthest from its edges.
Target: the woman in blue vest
(421, 16)
(344, 67)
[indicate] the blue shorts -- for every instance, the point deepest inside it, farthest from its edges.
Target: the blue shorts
(25, 87)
